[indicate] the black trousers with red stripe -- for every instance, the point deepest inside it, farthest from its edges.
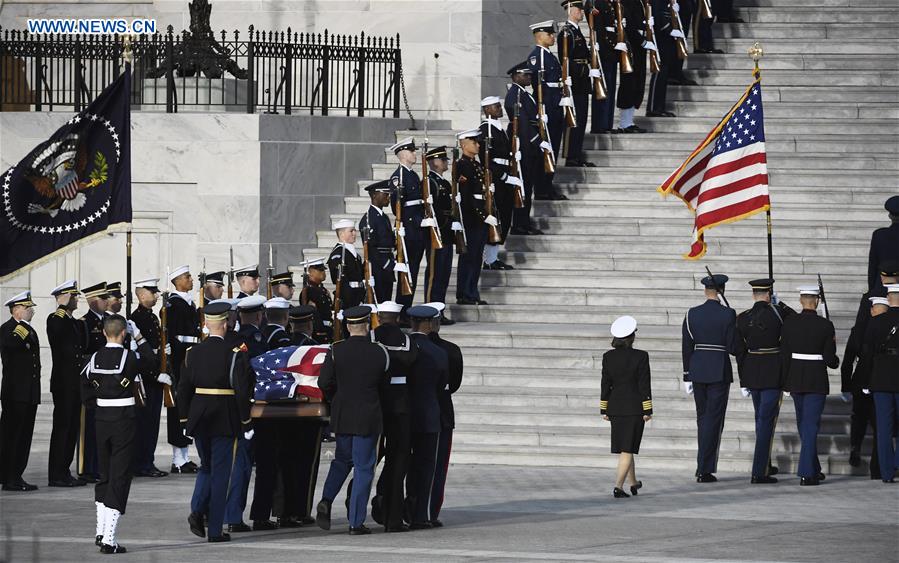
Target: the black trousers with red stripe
(444, 447)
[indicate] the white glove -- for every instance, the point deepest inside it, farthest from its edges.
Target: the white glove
(429, 222)
(168, 349)
(402, 231)
(650, 46)
(847, 397)
(131, 328)
(518, 156)
(248, 435)
(566, 102)
(546, 146)
(676, 7)
(677, 34)
(623, 22)
(205, 330)
(401, 268)
(621, 46)
(568, 82)
(745, 391)
(430, 200)
(652, 21)
(457, 226)
(491, 220)
(595, 73)
(545, 118)
(164, 378)
(688, 387)
(515, 181)
(133, 345)
(786, 393)
(866, 391)
(596, 46)
(492, 188)
(458, 198)
(371, 281)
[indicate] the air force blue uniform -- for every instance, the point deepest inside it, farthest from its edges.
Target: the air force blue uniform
(417, 238)
(543, 59)
(379, 232)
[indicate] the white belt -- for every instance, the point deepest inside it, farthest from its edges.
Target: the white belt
(710, 347)
(501, 161)
(809, 357)
(554, 84)
(412, 202)
(398, 380)
(126, 402)
(477, 196)
(188, 339)
(356, 285)
(326, 323)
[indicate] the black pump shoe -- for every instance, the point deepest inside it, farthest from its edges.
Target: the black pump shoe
(618, 493)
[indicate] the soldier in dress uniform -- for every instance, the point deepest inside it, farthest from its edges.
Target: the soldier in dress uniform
(346, 266)
(428, 377)
(316, 295)
(406, 187)
(98, 303)
(283, 286)
(20, 391)
(378, 232)
(440, 262)
(65, 338)
(881, 352)
(632, 85)
(494, 138)
(570, 37)
(520, 102)
(447, 414)
(686, 10)
(602, 114)
(808, 347)
(351, 377)
(114, 290)
(387, 506)
(470, 181)
(760, 367)
(214, 397)
(884, 243)
(709, 336)
(111, 383)
(302, 318)
(247, 280)
(183, 331)
(664, 34)
(703, 42)
(147, 294)
(214, 286)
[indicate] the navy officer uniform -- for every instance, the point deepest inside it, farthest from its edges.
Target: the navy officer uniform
(519, 102)
(546, 73)
(214, 395)
(441, 190)
(570, 36)
(709, 335)
(808, 347)
(470, 181)
(884, 243)
(378, 233)
(407, 192)
(760, 367)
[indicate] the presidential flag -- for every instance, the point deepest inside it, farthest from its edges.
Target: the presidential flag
(284, 373)
(71, 188)
(726, 178)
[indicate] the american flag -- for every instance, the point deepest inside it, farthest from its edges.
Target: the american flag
(284, 372)
(726, 178)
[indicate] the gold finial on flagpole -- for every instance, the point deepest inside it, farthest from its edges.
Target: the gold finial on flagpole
(755, 53)
(127, 54)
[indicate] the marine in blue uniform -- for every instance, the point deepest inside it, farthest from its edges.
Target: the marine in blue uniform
(884, 243)
(761, 371)
(581, 88)
(182, 331)
(709, 337)
(98, 303)
(406, 187)
(470, 182)
(521, 104)
(437, 275)
(377, 230)
(808, 347)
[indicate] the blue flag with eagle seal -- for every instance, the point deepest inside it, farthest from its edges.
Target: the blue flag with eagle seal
(72, 187)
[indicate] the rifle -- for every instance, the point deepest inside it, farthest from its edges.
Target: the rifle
(718, 288)
(823, 297)
(436, 240)
(514, 168)
(567, 100)
(624, 57)
(201, 301)
(549, 159)
(369, 279)
(167, 398)
(493, 234)
(336, 330)
(456, 212)
(654, 63)
(676, 25)
(271, 272)
(231, 274)
(402, 278)
(599, 79)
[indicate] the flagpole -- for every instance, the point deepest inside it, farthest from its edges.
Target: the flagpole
(128, 275)
(756, 53)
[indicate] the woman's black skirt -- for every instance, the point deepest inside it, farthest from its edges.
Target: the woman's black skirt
(627, 433)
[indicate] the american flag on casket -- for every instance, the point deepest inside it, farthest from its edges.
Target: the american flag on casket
(284, 373)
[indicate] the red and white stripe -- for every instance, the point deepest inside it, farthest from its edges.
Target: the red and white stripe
(70, 190)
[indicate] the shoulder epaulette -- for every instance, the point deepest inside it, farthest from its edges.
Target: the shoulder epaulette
(241, 348)
(60, 313)
(21, 332)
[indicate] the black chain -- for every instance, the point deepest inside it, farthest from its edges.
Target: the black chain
(405, 98)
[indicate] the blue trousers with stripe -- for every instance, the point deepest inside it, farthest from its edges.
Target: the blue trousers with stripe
(886, 406)
(809, 407)
(356, 453)
(211, 487)
(767, 407)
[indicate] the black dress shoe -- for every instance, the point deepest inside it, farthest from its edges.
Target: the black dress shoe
(535, 231)
(219, 539)
(632, 129)
(543, 197)
(197, 524)
(360, 531)
(394, 529)
(706, 478)
(773, 470)
(637, 487)
(763, 480)
(709, 51)
(482, 302)
(88, 478)
(152, 473)
(436, 523)
(323, 514)
(98, 541)
(264, 525)
(62, 483)
(328, 438)
(855, 459)
(618, 493)
(809, 482)
(307, 520)
(519, 231)
(558, 196)
(500, 265)
(466, 301)
(291, 522)
(420, 526)
(111, 549)
(491, 266)
(377, 508)
(239, 528)
(446, 321)
(730, 19)
(187, 468)
(820, 476)
(655, 114)
(890, 480)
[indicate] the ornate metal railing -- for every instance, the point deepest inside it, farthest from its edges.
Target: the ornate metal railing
(268, 71)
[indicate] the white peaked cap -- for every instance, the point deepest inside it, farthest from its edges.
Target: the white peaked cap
(624, 326)
(180, 270)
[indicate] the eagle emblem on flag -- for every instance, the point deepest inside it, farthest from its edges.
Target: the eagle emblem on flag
(60, 178)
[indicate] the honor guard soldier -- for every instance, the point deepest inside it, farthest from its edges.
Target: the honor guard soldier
(429, 376)
(250, 310)
(302, 318)
(808, 347)
(602, 114)
(98, 303)
(663, 33)
(247, 280)
(494, 139)
(147, 294)
(440, 261)
(114, 290)
(884, 243)
(520, 102)
(573, 43)
(214, 396)
(112, 383)
(378, 233)
(760, 367)
(183, 331)
(214, 286)
(346, 267)
(685, 9)
(470, 179)
(881, 351)
(64, 334)
(709, 335)
(632, 85)
(703, 42)
(283, 286)
(387, 506)
(447, 414)
(406, 187)
(316, 295)
(20, 391)
(275, 332)
(351, 377)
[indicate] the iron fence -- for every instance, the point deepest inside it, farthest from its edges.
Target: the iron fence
(268, 71)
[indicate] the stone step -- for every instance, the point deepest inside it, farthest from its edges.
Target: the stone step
(813, 78)
(808, 30)
(774, 126)
(835, 9)
(795, 61)
(787, 110)
(859, 46)
(825, 93)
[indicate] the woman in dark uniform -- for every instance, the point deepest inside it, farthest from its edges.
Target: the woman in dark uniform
(626, 399)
